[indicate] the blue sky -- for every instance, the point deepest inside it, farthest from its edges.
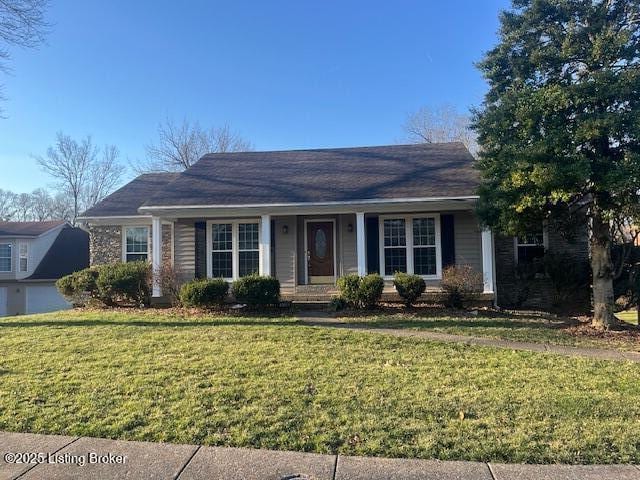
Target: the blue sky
(285, 74)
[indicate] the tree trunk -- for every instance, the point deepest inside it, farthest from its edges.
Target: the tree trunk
(602, 269)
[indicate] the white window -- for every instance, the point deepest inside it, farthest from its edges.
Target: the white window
(24, 256)
(136, 244)
(530, 247)
(5, 257)
(234, 249)
(411, 244)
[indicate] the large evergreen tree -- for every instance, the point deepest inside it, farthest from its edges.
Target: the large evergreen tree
(559, 128)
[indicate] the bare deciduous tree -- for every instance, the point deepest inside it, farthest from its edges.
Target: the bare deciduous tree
(81, 172)
(37, 206)
(180, 146)
(440, 124)
(22, 24)
(7, 205)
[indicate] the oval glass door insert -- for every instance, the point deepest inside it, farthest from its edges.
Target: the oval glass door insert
(321, 243)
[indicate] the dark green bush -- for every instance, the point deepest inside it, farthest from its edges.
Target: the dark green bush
(370, 290)
(256, 290)
(337, 304)
(348, 287)
(361, 292)
(204, 293)
(409, 287)
(124, 283)
(80, 286)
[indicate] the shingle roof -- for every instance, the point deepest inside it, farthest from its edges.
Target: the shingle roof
(28, 229)
(324, 175)
(68, 253)
(126, 200)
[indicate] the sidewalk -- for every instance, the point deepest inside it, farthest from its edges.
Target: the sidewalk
(95, 458)
(315, 319)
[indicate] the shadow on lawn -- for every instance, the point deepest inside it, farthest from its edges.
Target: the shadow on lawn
(147, 323)
(467, 323)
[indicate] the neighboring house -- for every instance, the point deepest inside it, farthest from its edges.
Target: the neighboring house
(33, 255)
(307, 217)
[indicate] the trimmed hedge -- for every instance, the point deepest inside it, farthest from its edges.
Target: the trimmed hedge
(113, 284)
(124, 283)
(361, 292)
(257, 290)
(204, 293)
(79, 286)
(409, 287)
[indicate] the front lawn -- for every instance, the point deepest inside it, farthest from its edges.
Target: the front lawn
(538, 329)
(273, 383)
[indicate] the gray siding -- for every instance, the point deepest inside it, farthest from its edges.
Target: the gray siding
(348, 257)
(285, 251)
(468, 242)
(185, 249)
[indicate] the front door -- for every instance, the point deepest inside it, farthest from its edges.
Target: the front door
(320, 252)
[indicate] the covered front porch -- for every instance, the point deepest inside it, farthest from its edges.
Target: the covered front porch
(309, 247)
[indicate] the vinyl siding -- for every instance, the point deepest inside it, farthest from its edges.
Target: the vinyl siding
(468, 242)
(348, 258)
(285, 251)
(185, 249)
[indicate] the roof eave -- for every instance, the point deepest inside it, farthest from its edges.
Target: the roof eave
(365, 206)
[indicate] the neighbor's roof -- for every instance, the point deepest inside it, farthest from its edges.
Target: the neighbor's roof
(68, 253)
(324, 175)
(28, 229)
(126, 201)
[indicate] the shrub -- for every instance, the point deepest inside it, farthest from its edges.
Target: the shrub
(361, 292)
(569, 279)
(409, 287)
(124, 283)
(257, 290)
(204, 292)
(337, 303)
(460, 283)
(370, 290)
(79, 286)
(348, 287)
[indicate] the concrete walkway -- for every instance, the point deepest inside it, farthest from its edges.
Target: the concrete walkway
(318, 319)
(60, 457)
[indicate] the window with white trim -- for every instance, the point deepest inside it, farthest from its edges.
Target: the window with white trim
(410, 244)
(136, 244)
(424, 246)
(395, 246)
(222, 250)
(530, 247)
(234, 249)
(248, 249)
(5, 257)
(24, 256)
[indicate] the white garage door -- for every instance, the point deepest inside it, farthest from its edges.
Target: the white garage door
(45, 298)
(3, 301)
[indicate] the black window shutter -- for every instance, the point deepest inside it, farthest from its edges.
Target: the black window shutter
(201, 249)
(448, 240)
(372, 236)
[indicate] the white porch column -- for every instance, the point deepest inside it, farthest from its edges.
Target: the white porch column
(156, 255)
(361, 245)
(265, 245)
(487, 261)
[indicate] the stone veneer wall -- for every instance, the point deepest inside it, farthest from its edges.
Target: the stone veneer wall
(540, 292)
(105, 244)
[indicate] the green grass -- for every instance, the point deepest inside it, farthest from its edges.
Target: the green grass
(273, 383)
(524, 329)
